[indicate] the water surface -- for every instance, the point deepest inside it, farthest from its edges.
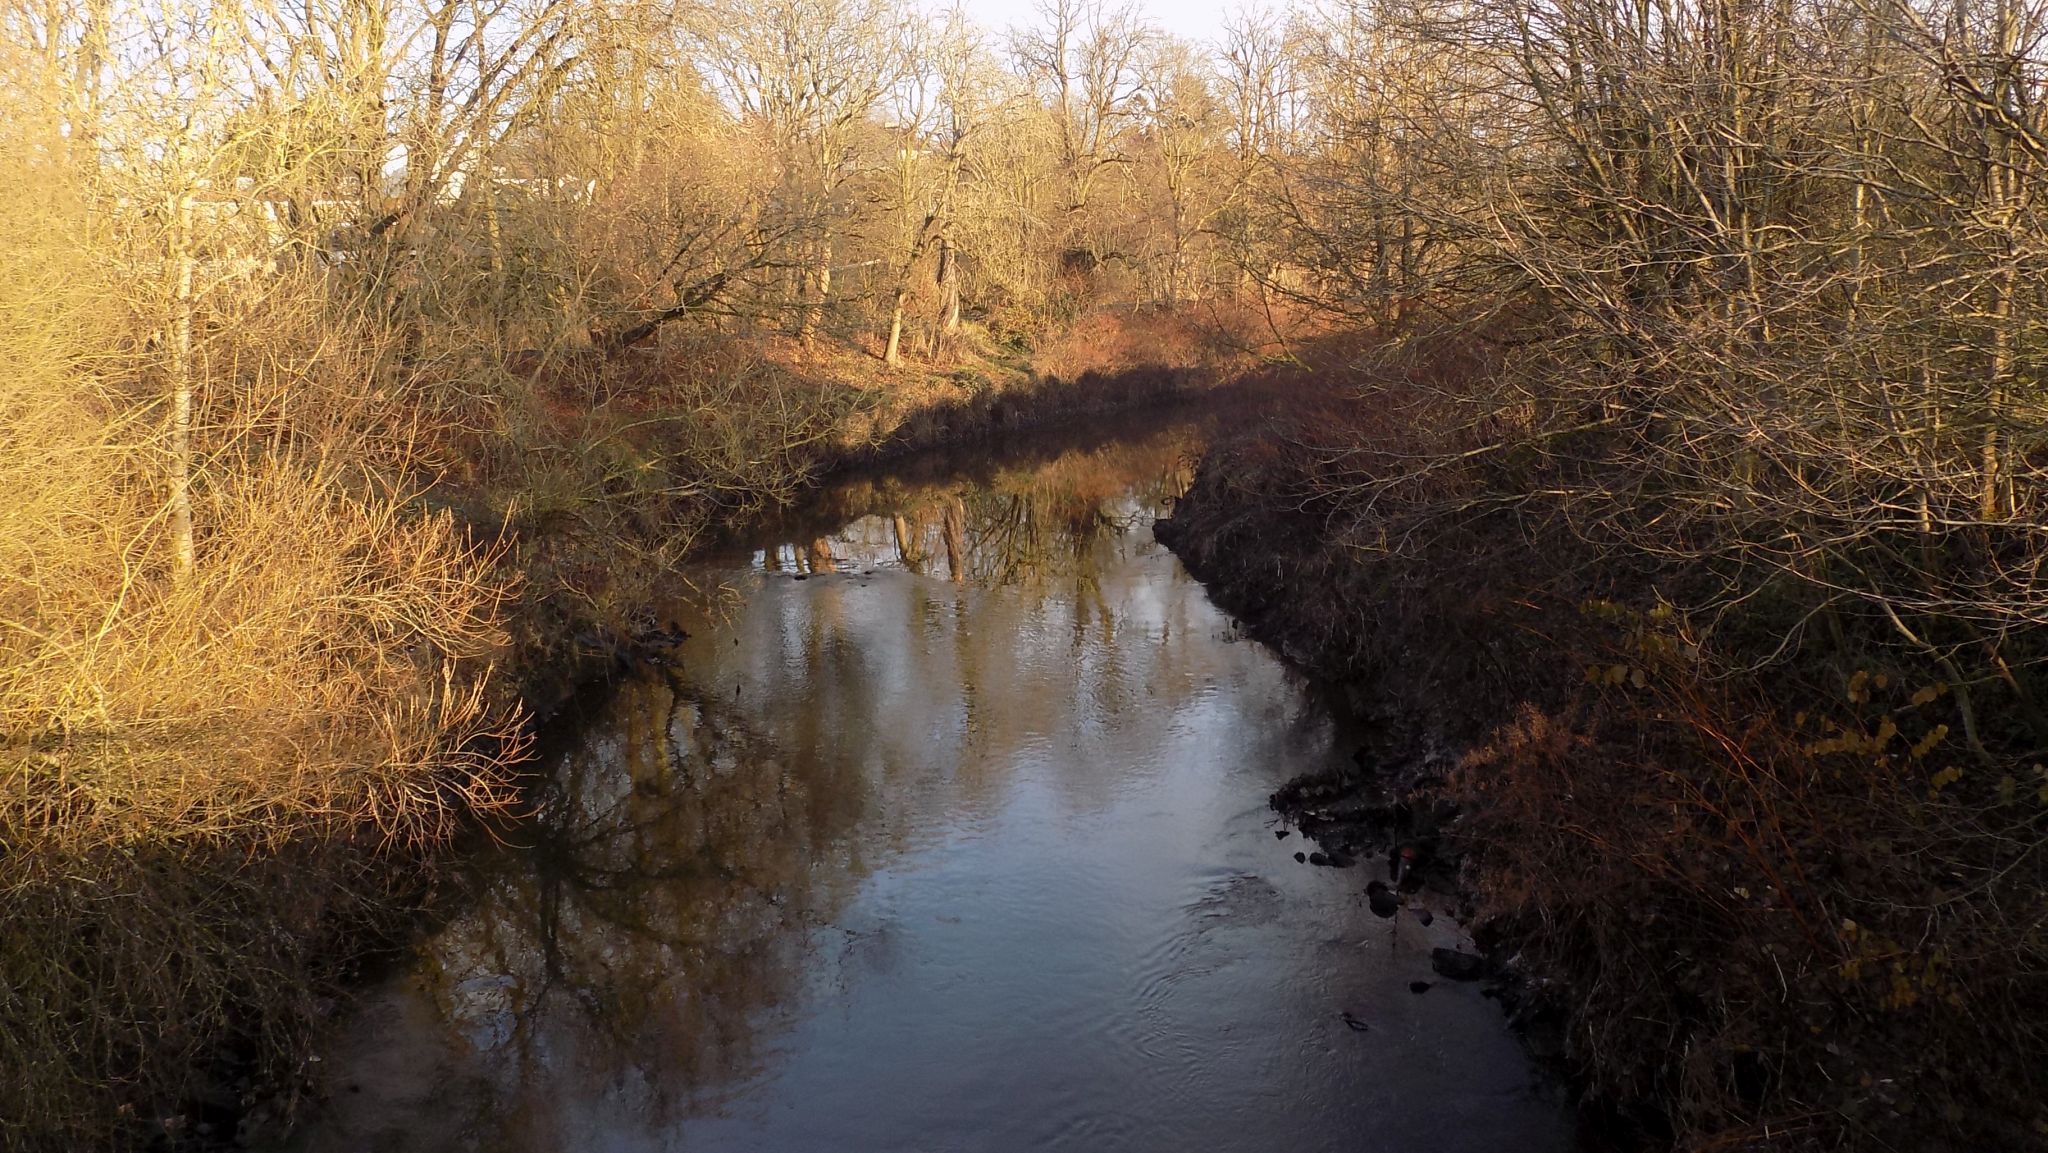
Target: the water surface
(945, 829)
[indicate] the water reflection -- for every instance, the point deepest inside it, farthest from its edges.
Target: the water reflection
(947, 832)
(625, 956)
(1021, 523)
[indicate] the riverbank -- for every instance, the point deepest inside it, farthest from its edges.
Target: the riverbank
(1743, 909)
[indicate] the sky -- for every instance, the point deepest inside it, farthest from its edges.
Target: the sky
(1192, 19)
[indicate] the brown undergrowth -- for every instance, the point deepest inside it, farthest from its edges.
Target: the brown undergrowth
(1341, 589)
(1787, 935)
(1785, 884)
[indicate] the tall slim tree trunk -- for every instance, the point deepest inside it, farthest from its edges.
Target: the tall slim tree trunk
(817, 288)
(179, 372)
(2000, 168)
(894, 354)
(1989, 504)
(797, 287)
(949, 286)
(947, 275)
(822, 279)
(84, 110)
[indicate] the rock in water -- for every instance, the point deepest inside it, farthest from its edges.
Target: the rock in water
(1357, 1026)
(1301, 857)
(1456, 965)
(1318, 859)
(1280, 834)
(1425, 916)
(1382, 902)
(1418, 986)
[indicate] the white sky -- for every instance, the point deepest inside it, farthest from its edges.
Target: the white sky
(1199, 20)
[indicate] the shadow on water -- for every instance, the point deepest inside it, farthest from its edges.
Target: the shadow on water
(943, 828)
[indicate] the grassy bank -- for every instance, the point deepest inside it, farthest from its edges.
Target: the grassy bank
(1779, 870)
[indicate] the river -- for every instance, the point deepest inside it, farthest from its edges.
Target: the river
(944, 829)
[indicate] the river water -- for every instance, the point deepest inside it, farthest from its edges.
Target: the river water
(944, 830)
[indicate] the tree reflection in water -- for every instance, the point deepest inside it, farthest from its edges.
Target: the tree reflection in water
(624, 954)
(1020, 524)
(633, 952)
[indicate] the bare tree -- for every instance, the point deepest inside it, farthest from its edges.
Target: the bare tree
(1084, 60)
(807, 73)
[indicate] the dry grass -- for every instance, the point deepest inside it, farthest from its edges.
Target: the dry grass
(1218, 335)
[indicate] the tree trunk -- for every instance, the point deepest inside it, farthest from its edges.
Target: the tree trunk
(809, 294)
(817, 288)
(179, 371)
(949, 286)
(894, 355)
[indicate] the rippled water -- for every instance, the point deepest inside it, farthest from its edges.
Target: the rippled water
(945, 829)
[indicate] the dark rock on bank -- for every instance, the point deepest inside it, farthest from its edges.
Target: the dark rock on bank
(1381, 900)
(1457, 965)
